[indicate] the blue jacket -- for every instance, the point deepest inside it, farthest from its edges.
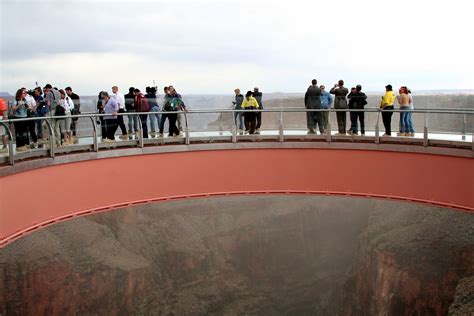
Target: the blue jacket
(326, 100)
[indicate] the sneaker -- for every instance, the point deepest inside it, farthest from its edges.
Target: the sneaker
(340, 134)
(4, 150)
(22, 148)
(108, 140)
(246, 132)
(350, 132)
(34, 146)
(401, 134)
(386, 134)
(257, 131)
(362, 134)
(123, 137)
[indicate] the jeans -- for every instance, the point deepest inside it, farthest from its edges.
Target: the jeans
(387, 120)
(409, 121)
(241, 121)
(172, 123)
(313, 120)
(111, 127)
(21, 133)
(155, 119)
(403, 125)
(354, 126)
(121, 123)
(143, 119)
(341, 122)
(132, 122)
(39, 126)
(325, 119)
(250, 122)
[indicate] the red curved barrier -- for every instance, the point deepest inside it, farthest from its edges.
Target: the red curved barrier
(37, 198)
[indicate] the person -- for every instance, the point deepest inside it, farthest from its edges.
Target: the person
(100, 109)
(141, 105)
(41, 110)
(239, 98)
(404, 103)
(30, 112)
(120, 99)
(409, 115)
(312, 100)
(357, 102)
(130, 108)
(52, 98)
(250, 103)
(326, 101)
(3, 130)
(386, 106)
(155, 118)
(65, 124)
(258, 96)
(76, 111)
(19, 109)
(173, 103)
(110, 121)
(164, 99)
(182, 107)
(340, 102)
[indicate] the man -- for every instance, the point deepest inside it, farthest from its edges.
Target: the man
(120, 99)
(358, 101)
(173, 103)
(386, 104)
(312, 100)
(239, 98)
(258, 96)
(326, 101)
(76, 111)
(155, 119)
(340, 102)
(31, 110)
(141, 105)
(52, 98)
(250, 103)
(130, 108)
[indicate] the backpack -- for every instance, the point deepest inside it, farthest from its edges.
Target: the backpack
(3, 107)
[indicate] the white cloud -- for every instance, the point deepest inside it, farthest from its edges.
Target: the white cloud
(211, 46)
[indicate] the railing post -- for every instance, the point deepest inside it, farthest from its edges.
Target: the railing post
(281, 135)
(94, 133)
(220, 123)
(464, 123)
(234, 128)
(377, 131)
(425, 131)
(51, 137)
(187, 141)
(11, 156)
(140, 133)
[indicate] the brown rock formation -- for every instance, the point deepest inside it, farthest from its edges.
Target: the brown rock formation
(243, 255)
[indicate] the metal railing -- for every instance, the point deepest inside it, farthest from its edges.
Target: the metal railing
(465, 130)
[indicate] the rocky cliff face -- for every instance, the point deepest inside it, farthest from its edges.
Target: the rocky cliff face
(244, 255)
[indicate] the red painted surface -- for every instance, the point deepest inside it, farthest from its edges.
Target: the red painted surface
(34, 199)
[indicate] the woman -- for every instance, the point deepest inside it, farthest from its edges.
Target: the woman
(19, 108)
(250, 118)
(386, 106)
(100, 109)
(403, 101)
(110, 121)
(173, 103)
(65, 124)
(409, 115)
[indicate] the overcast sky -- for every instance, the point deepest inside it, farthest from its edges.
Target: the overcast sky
(211, 46)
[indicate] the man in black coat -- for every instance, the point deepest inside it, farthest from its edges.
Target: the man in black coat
(312, 100)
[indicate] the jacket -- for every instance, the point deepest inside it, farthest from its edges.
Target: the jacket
(340, 101)
(326, 100)
(388, 99)
(250, 104)
(258, 96)
(312, 98)
(141, 103)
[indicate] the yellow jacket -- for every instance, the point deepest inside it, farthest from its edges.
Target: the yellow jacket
(388, 99)
(250, 103)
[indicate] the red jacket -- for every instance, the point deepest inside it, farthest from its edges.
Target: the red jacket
(141, 103)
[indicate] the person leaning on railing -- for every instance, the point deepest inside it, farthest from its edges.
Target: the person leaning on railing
(21, 128)
(404, 102)
(110, 121)
(250, 118)
(386, 104)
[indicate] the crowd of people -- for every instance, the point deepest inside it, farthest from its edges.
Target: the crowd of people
(318, 98)
(53, 104)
